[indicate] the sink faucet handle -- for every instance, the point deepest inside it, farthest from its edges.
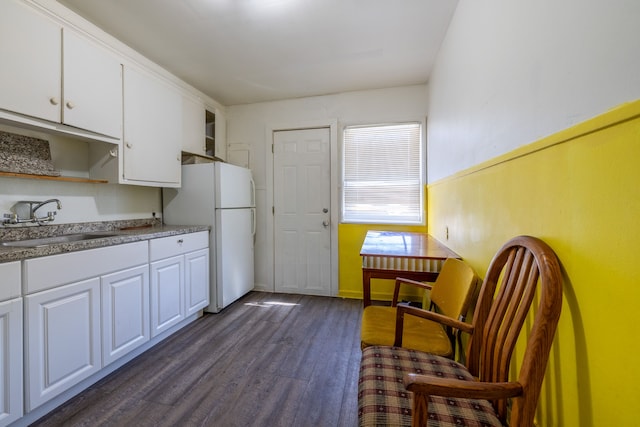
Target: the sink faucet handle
(44, 219)
(10, 218)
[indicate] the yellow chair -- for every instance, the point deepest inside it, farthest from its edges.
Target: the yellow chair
(423, 330)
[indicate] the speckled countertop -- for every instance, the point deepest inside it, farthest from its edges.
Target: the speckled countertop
(126, 231)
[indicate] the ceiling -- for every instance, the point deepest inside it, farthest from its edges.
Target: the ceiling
(246, 51)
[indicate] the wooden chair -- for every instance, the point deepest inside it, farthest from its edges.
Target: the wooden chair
(431, 331)
(444, 392)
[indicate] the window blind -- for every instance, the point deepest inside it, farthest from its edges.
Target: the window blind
(382, 174)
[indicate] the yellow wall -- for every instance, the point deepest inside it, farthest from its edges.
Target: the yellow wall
(350, 238)
(579, 190)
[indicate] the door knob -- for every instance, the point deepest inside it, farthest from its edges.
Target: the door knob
(325, 210)
(325, 224)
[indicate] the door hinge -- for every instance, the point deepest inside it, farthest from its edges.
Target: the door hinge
(273, 210)
(272, 149)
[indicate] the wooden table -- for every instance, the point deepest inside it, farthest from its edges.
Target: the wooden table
(388, 254)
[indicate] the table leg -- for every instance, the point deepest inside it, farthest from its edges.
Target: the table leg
(366, 288)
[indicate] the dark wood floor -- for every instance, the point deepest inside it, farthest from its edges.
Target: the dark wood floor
(266, 360)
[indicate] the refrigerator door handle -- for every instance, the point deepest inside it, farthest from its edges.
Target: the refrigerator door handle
(253, 223)
(253, 192)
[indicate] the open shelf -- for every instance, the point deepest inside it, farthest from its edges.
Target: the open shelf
(54, 178)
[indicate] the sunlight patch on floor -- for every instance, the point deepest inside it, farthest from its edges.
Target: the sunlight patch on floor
(271, 304)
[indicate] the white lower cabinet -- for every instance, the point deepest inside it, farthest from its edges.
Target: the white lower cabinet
(11, 390)
(84, 310)
(125, 312)
(196, 283)
(62, 339)
(11, 386)
(179, 278)
(167, 294)
(70, 298)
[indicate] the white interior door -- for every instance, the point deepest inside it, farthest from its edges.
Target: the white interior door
(302, 196)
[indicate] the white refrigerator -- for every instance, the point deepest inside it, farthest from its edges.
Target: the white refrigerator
(222, 196)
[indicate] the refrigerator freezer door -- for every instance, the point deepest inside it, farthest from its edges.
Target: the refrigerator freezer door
(234, 244)
(234, 187)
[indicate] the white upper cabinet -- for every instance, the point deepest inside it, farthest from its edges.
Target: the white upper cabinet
(74, 82)
(92, 87)
(193, 126)
(31, 71)
(221, 136)
(152, 131)
(215, 134)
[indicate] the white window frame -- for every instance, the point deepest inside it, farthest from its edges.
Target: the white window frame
(391, 213)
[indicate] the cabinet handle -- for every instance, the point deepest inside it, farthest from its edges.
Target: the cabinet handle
(54, 101)
(180, 241)
(129, 145)
(70, 105)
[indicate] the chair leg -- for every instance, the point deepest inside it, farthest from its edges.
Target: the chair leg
(420, 410)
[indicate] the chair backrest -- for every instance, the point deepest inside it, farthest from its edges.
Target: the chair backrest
(528, 270)
(454, 288)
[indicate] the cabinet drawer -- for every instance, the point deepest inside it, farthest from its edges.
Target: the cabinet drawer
(55, 270)
(166, 247)
(9, 280)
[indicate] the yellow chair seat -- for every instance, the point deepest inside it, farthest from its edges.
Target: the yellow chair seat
(379, 328)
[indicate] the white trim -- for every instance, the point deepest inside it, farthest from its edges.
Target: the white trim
(332, 124)
(423, 168)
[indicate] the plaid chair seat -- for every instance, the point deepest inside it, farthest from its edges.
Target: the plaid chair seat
(384, 401)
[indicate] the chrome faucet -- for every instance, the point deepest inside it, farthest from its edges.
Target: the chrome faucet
(50, 215)
(33, 206)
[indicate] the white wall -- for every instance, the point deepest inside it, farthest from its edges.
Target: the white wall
(510, 73)
(247, 127)
(81, 202)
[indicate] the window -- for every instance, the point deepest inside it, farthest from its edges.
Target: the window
(382, 174)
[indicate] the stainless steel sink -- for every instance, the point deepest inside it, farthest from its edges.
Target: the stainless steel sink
(53, 240)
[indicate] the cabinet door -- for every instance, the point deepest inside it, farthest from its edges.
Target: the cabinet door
(196, 281)
(125, 312)
(193, 126)
(167, 293)
(152, 129)
(92, 87)
(30, 75)
(11, 391)
(62, 337)
(221, 136)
